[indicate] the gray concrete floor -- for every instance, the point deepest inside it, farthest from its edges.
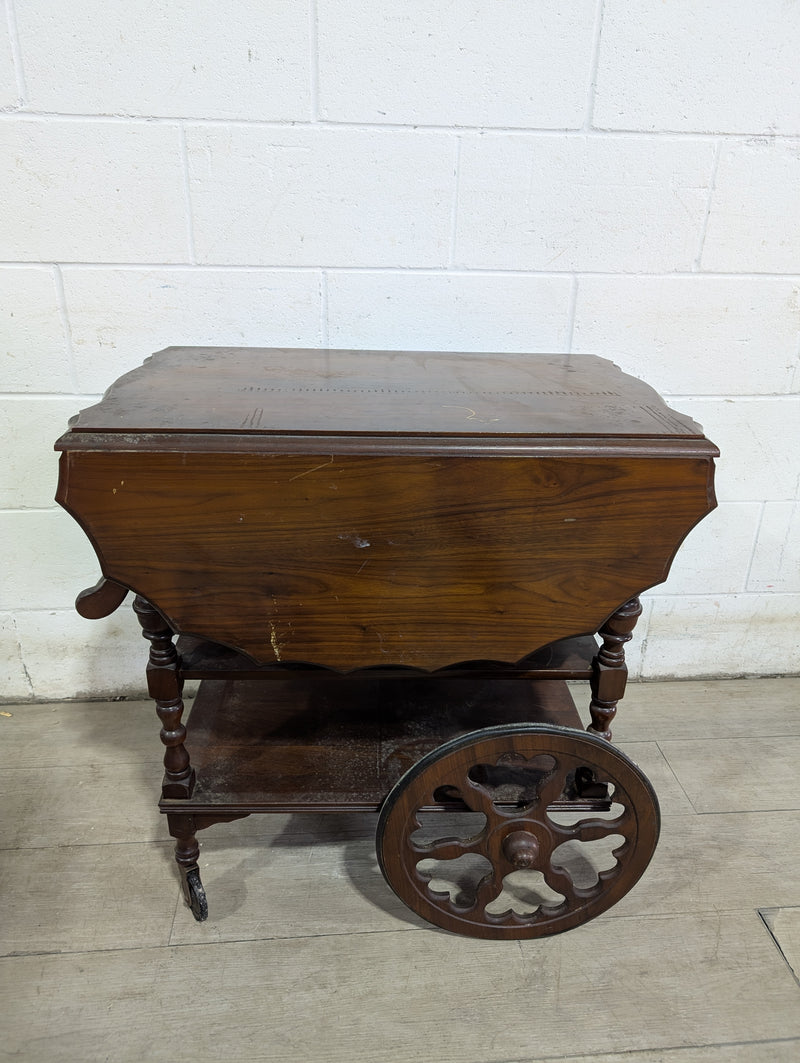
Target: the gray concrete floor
(307, 955)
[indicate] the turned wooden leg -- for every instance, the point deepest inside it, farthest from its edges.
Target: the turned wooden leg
(183, 828)
(609, 671)
(187, 853)
(187, 848)
(165, 685)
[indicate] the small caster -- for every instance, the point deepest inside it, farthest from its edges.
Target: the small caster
(196, 895)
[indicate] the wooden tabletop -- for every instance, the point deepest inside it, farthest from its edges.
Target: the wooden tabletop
(263, 391)
(369, 508)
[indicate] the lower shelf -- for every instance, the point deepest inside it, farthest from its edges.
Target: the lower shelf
(340, 743)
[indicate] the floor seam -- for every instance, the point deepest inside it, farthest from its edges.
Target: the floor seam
(633, 1052)
(203, 944)
(762, 916)
(675, 777)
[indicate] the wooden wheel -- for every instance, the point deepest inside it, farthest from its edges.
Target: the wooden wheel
(543, 857)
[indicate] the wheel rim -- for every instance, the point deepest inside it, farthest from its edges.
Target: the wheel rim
(532, 868)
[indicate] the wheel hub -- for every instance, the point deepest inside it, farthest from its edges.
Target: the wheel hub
(521, 848)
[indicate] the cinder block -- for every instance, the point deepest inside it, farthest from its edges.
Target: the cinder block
(434, 311)
(15, 684)
(207, 60)
(66, 656)
(9, 93)
(45, 560)
(29, 427)
(33, 349)
(759, 440)
(308, 197)
(565, 203)
(732, 634)
(443, 64)
(715, 556)
(694, 335)
(118, 317)
(91, 191)
(714, 67)
(754, 222)
(776, 561)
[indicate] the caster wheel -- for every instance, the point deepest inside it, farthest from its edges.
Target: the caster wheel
(561, 825)
(196, 895)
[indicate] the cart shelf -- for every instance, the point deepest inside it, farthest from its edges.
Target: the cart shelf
(311, 742)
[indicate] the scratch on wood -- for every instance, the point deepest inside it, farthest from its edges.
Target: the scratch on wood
(473, 414)
(315, 469)
(356, 540)
(273, 638)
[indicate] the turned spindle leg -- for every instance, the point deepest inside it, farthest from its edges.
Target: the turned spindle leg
(165, 686)
(187, 849)
(609, 671)
(187, 853)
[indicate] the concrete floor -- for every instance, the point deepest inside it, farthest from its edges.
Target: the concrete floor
(308, 956)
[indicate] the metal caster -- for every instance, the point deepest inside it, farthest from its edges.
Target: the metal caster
(196, 895)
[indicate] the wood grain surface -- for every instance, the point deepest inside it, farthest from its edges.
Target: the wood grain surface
(356, 560)
(340, 743)
(258, 391)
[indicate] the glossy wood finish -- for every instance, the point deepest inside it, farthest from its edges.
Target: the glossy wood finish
(415, 547)
(165, 686)
(263, 392)
(566, 659)
(610, 672)
(310, 743)
(100, 600)
(371, 560)
(524, 870)
(342, 523)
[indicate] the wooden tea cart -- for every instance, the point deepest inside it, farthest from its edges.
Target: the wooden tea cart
(384, 567)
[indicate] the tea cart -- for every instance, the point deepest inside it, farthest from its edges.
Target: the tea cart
(385, 568)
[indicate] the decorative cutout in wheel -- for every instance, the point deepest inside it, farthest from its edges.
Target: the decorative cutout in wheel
(536, 859)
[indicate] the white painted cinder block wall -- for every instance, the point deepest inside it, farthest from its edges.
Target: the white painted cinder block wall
(602, 176)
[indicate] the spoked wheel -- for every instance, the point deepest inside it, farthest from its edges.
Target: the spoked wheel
(562, 825)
